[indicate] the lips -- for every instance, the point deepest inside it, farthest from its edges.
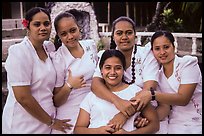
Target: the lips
(112, 77)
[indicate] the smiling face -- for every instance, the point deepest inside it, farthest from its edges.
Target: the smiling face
(68, 31)
(124, 35)
(112, 71)
(163, 50)
(40, 27)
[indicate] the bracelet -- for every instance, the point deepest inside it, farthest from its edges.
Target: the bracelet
(52, 123)
(153, 93)
(69, 85)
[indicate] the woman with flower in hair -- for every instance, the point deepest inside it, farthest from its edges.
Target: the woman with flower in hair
(29, 107)
(141, 69)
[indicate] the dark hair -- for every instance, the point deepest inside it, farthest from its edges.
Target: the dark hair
(112, 53)
(167, 34)
(30, 13)
(122, 18)
(57, 41)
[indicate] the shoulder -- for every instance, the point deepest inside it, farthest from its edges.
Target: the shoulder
(56, 55)
(18, 49)
(87, 42)
(144, 50)
(99, 54)
(188, 60)
(50, 47)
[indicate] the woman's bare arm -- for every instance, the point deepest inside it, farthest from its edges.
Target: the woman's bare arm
(99, 89)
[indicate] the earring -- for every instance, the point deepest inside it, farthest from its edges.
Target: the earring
(59, 40)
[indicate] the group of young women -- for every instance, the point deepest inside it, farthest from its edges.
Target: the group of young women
(127, 89)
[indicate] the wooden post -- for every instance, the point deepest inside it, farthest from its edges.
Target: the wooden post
(127, 9)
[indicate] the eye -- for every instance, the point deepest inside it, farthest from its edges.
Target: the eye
(166, 46)
(119, 33)
(107, 67)
(46, 23)
(37, 24)
(129, 32)
(63, 34)
(73, 30)
(119, 68)
(156, 48)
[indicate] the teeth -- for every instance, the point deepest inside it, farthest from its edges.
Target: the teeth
(112, 77)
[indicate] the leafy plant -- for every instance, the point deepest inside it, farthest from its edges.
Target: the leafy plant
(169, 22)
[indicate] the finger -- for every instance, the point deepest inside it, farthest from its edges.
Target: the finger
(125, 114)
(66, 120)
(140, 106)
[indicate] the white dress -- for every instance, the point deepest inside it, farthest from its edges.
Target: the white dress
(24, 68)
(184, 119)
(102, 111)
(63, 60)
(147, 68)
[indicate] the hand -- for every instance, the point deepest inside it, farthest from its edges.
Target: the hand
(121, 131)
(76, 82)
(125, 107)
(118, 121)
(142, 98)
(140, 122)
(106, 129)
(62, 125)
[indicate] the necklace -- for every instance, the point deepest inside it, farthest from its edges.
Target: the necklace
(133, 67)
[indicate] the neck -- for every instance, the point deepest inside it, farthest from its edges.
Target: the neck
(36, 44)
(117, 87)
(168, 68)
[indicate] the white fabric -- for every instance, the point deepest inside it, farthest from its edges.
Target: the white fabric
(101, 111)
(63, 60)
(24, 67)
(146, 66)
(184, 119)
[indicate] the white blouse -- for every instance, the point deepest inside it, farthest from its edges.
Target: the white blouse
(102, 111)
(186, 71)
(146, 66)
(25, 68)
(63, 60)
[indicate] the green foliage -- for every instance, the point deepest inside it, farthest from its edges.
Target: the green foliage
(170, 23)
(100, 45)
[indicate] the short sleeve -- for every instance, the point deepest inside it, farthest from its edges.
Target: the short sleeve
(19, 66)
(86, 102)
(60, 66)
(50, 47)
(190, 72)
(151, 66)
(97, 72)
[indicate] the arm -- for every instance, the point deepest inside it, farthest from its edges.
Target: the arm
(151, 115)
(61, 94)
(181, 98)
(163, 110)
(28, 102)
(82, 124)
(142, 101)
(122, 105)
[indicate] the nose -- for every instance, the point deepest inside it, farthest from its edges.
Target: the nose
(69, 36)
(162, 51)
(42, 28)
(124, 36)
(112, 71)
